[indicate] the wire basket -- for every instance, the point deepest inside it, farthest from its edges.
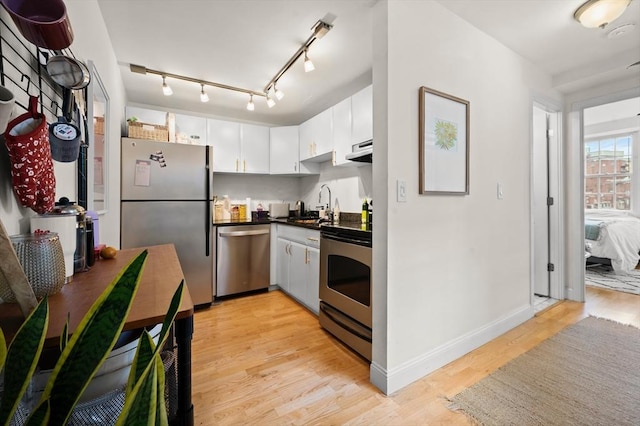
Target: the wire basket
(42, 260)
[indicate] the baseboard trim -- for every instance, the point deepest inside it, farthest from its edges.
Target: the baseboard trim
(390, 381)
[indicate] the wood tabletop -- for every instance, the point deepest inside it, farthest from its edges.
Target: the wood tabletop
(161, 276)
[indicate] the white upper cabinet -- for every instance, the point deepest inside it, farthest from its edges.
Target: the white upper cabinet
(238, 148)
(254, 149)
(191, 130)
(362, 115)
(284, 153)
(316, 139)
(341, 132)
(224, 136)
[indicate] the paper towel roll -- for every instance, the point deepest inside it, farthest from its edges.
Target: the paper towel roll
(248, 202)
(65, 226)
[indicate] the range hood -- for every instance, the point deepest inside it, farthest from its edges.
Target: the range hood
(362, 152)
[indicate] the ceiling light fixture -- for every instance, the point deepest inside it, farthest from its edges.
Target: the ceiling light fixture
(599, 13)
(250, 105)
(320, 28)
(279, 93)
(166, 89)
(203, 95)
(308, 65)
(270, 101)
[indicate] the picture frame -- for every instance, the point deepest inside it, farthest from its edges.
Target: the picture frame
(444, 143)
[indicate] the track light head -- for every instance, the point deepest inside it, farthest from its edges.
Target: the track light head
(203, 95)
(250, 105)
(166, 89)
(308, 65)
(279, 93)
(270, 101)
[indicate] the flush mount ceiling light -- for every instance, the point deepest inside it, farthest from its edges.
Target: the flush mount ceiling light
(166, 89)
(599, 13)
(319, 29)
(203, 95)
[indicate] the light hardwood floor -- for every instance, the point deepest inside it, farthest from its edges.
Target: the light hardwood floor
(264, 360)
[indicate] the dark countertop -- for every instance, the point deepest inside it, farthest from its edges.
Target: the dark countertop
(303, 223)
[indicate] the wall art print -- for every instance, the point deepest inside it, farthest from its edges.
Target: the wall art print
(444, 143)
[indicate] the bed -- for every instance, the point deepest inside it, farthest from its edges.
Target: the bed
(613, 235)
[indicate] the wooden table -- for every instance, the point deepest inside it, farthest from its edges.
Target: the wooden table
(160, 278)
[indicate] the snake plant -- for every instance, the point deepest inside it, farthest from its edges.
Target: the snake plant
(83, 354)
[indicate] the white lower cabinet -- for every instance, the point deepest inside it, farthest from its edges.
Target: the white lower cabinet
(298, 264)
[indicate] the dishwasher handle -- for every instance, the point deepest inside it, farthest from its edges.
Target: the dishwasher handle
(243, 233)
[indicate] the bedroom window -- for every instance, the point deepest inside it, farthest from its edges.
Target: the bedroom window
(608, 171)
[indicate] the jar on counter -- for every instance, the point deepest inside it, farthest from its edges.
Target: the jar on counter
(235, 213)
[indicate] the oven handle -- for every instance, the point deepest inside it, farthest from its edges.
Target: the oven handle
(339, 322)
(348, 240)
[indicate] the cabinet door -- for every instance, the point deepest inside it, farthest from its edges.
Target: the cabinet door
(341, 132)
(298, 271)
(224, 136)
(282, 267)
(191, 130)
(316, 139)
(284, 150)
(255, 149)
(313, 279)
(362, 115)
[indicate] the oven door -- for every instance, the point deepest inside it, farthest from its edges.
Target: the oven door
(345, 278)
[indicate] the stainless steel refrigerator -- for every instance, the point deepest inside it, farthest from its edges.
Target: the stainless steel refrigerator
(166, 198)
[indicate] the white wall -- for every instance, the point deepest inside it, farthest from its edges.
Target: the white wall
(261, 189)
(458, 266)
(91, 42)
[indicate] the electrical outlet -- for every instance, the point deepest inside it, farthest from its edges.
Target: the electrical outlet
(402, 191)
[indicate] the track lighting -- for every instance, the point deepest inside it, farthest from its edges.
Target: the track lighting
(308, 65)
(166, 89)
(203, 95)
(270, 101)
(599, 13)
(279, 93)
(319, 30)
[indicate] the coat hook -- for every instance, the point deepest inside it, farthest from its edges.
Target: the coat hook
(28, 82)
(58, 109)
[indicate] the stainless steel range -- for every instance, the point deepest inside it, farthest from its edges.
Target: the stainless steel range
(345, 286)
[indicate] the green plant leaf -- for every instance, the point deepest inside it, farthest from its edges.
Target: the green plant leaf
(22, 358)
(142, 358)
(176, 300)
(161, 408)
(64, 336)
(3, 349)
(92, 341)
(40, 415)
(140, 406)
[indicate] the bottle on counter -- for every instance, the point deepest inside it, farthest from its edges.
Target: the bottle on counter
(336, 213)
(370, 212)
(365, 212)
(226, 208)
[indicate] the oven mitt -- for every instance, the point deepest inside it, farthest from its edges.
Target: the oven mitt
(27, 140)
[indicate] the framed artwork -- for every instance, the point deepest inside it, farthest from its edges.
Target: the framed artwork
(444, 143)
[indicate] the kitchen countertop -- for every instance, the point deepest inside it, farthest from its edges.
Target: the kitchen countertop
(303, 223)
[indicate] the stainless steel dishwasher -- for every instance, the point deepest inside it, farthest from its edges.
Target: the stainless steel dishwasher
(243, 259)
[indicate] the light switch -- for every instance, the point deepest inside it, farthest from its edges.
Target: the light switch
(402, 191)
(500, 194)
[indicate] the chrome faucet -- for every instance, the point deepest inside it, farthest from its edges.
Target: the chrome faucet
(324, 185)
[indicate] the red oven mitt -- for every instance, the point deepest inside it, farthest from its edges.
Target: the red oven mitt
(27, 140)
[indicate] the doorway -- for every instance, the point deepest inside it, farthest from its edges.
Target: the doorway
(545, 214)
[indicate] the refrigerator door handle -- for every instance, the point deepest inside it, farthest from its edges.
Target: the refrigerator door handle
(207, 215)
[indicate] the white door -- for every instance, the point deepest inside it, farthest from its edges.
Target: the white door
(546, 220)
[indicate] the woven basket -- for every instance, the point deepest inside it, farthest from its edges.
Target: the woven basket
(156, 132)
(42, 260)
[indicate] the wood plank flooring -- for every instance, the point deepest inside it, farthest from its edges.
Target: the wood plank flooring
(264, 360)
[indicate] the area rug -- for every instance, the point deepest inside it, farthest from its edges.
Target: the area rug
(585, 375)
(604, 277)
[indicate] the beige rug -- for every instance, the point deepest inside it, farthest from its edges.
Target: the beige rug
(588, 374)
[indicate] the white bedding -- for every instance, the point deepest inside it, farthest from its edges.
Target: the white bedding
(619, 238)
